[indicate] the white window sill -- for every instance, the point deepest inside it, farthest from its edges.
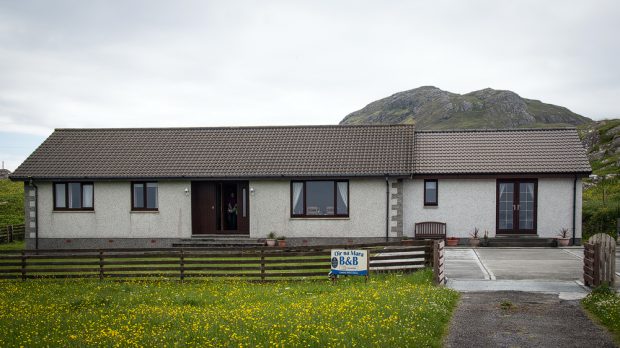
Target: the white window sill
(431, 207)
(73, 211)
(320, 218)
(144, 212)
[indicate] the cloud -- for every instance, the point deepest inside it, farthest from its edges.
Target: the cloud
(195, 63)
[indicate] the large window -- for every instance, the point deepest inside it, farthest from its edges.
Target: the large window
(320, 198)
(144, 196)
(73, 196)
(430, 192)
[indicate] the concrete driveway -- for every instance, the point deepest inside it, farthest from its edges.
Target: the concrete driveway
(544, 270)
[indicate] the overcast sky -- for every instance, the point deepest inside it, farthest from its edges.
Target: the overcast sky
(199, 63)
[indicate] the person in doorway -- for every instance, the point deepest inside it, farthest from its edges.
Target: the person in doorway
(231, 213)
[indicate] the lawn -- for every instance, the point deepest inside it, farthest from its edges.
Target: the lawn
(604, 305)
(389, 310)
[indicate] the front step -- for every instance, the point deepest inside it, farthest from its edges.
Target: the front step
(223, 242)
(522, 242)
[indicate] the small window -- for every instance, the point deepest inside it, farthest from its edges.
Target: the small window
(320, 198)
(430, 192)
(144, 196)
(73, 196)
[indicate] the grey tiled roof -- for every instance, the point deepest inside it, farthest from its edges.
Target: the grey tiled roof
(499, 151)
(232, 152)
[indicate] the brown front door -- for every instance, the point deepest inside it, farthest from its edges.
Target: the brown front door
(220, 207)
(516, 206)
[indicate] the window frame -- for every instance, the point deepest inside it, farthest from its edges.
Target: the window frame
(144, 196)
(66, 207)
(305, 197)
(436, 202)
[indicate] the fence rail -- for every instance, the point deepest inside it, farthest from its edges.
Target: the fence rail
(12, 233)
(259, 263)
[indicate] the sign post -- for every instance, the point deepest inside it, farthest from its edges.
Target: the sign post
(349, 262)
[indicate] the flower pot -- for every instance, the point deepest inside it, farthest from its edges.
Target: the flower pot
(271, 242)
(452, 241)
(407, 241)
(474, 242)
(281, 242)
(562, 242)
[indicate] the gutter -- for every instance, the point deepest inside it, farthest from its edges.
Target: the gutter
(36, 214)
(574, 209)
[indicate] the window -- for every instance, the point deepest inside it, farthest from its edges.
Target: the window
(320, 198)
(73, 196)
(430, 192)
(144, 196)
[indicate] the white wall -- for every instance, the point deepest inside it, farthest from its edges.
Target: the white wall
(555, 206)
(462, 204)
(270, 211)
(112, 216)
(468, 203)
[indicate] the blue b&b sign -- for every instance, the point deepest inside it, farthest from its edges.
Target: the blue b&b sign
(349, 262)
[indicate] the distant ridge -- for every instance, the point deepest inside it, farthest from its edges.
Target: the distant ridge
(429, 107)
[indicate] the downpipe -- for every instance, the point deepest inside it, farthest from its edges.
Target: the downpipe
(574, 209)
(387, 208)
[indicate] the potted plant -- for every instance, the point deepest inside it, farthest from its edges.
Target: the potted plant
(407, 241)
(281, 241)
(452, 241)
(271, 239)
(474, 241)
(563, 237)
(485, 239)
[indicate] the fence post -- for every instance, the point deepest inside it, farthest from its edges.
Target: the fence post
(100, 265)
(262, 265)
(182, 266)
(596, 271)
(23, 265)
(9, 233)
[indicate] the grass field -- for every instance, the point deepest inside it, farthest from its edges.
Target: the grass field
(604, 304)
(390, 310)
(11, 203)
(17, 245)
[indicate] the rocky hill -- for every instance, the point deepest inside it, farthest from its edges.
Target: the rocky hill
(602, 141)
(432, 108)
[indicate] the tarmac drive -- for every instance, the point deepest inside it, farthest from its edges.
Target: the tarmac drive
(525, 320)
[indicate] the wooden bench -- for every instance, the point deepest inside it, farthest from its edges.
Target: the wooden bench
(430, 230)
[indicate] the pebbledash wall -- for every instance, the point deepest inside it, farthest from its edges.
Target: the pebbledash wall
(467, 203)
(112, 223)
(270, 211)
(463, 205)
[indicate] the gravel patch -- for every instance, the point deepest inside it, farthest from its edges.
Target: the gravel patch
(521, 319)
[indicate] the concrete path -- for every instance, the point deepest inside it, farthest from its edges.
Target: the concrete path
(544, 270)
(520, 319)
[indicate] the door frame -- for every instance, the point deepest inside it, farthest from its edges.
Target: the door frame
(516, 207)
(208, 189)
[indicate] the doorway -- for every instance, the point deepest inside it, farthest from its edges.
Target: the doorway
(516, 207)
(220, 207)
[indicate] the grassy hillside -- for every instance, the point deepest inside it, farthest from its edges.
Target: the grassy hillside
(11, 202)
(601, 198)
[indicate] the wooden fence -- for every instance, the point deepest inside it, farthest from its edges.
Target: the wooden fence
(256, 263)
(439, 274)
(12, 233)
(599, 262)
